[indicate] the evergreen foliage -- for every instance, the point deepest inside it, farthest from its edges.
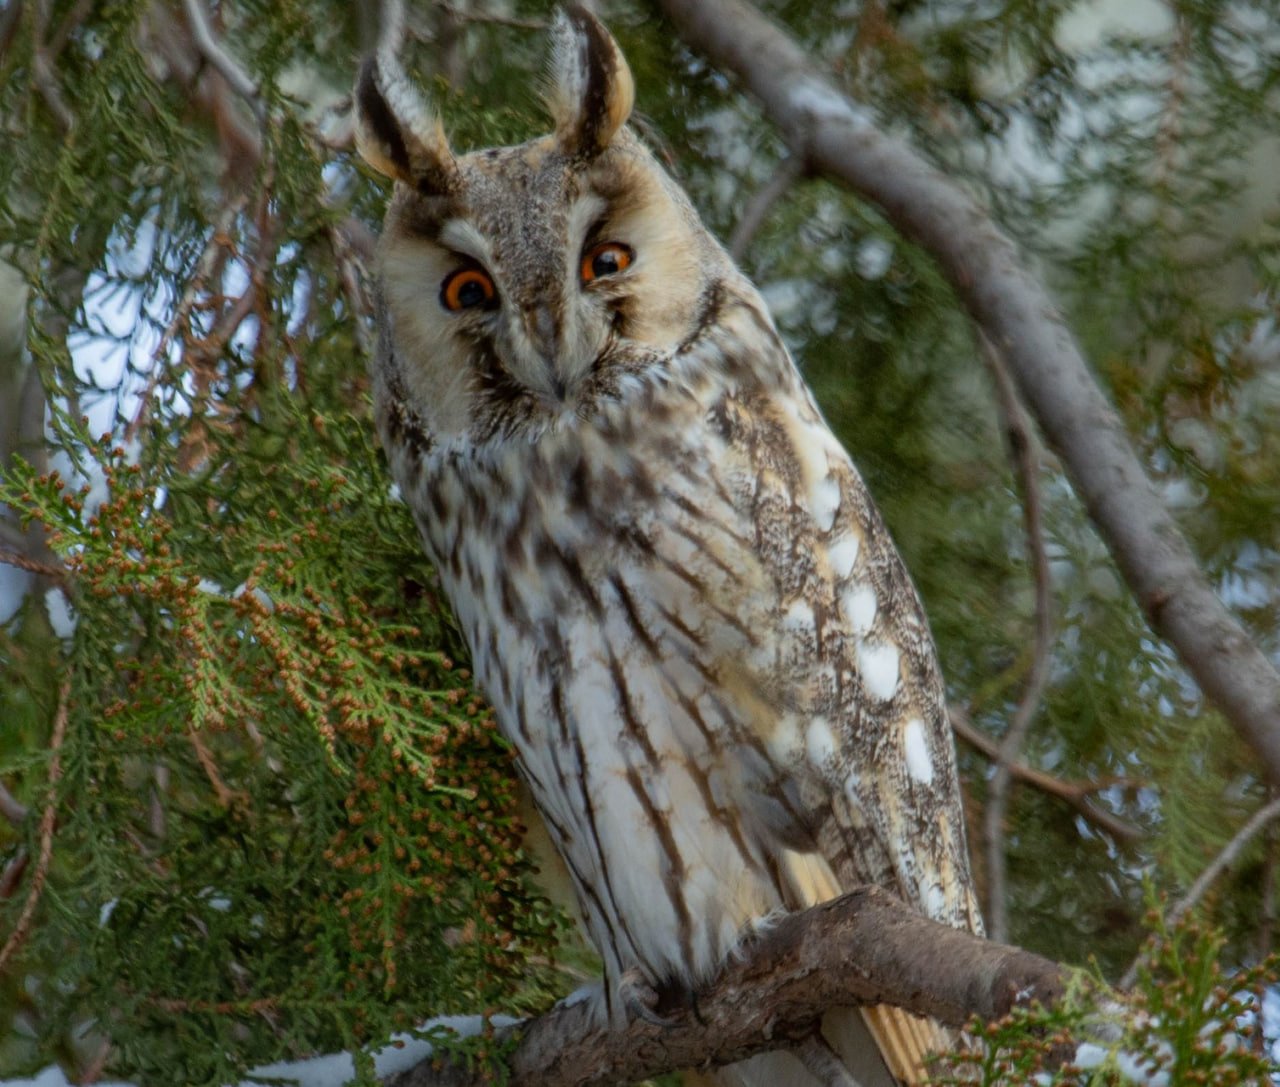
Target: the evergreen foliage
(1194, 1025)
(284, 820)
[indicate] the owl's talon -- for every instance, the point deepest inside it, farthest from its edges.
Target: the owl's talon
(640, 999)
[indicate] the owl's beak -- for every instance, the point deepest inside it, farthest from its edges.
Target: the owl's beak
(544, 332)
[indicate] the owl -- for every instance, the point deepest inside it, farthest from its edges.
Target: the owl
(678, 596)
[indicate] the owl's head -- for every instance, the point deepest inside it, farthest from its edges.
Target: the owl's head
(522, 282)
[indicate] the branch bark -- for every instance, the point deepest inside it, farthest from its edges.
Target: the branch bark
(865, 947)
(838, 138)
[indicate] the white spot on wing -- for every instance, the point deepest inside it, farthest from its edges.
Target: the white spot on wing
(878, 663)
(824, 501)
(784, 740)
(935, 901)
(799, 617)
(919, 763)
(852, 785)
(842, 555)
(820, 743)
(810, 440)
(859, 606)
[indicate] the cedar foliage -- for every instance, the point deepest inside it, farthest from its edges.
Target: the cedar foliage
(285, 822)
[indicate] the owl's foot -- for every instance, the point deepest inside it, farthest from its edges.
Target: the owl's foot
(641, 1000)
(592, 995)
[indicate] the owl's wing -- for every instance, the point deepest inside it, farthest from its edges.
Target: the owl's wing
(789, 593)
(826, 651)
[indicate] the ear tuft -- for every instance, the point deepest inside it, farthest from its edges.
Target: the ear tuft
(397, 132)
(592, 90)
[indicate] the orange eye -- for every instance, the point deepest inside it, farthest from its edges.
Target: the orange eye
(605, 259)
(467, 288)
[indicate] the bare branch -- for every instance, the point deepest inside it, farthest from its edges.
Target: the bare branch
(1169, 133)
(1224, 860)
(461, 16)
(13, 873)
(11, 807)
(42, 70)
(1266, 917)
(209, 260)
(226, 65)
(391, 26)
(862, 948)
(1075, 793)
(1014, 311)
(32, 566)
(48, 820)
(352, 256)
(1022, 452)
(172, 45)
(10, 17)
(67, 27)
(789, 171)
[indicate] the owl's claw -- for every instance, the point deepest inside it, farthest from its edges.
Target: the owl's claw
(641, 1000)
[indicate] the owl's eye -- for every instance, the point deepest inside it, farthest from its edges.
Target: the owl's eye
(605, 259)
(467, 288)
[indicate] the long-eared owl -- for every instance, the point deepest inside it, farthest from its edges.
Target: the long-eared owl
(677, 593)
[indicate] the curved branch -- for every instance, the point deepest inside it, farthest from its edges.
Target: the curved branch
(1022, 453)
(223, 62)
(1014, 311)
(1075, 793)
(865, 947)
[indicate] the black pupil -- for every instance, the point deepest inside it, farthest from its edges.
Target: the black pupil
(472, 293)
(605, 263)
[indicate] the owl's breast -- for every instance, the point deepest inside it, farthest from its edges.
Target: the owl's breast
(608, 586)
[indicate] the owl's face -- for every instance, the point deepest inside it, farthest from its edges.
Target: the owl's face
(522, 283)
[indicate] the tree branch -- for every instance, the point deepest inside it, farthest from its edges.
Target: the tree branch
(455, 12)
(1022, 452)
(13, 809)
(865, 947)
(838, 138)
(42, 70)
(33, 566)
(48, 821)
(391, 26)
(223, 62)
(1075, 793)
(788, 172)
(1260, 819)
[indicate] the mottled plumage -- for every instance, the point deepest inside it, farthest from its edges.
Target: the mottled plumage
(677, 592)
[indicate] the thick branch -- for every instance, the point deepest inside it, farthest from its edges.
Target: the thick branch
(1014, 311)
(863, 948)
